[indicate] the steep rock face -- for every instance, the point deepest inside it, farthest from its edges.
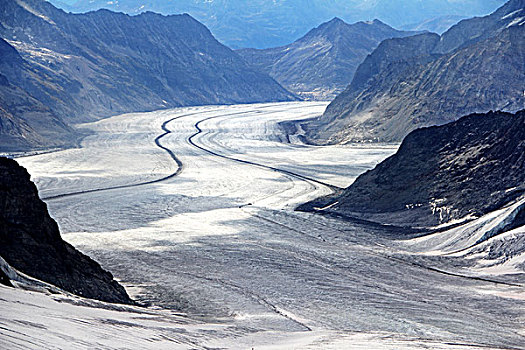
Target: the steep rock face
(12, 131)
(104, 63)
(430, 80)
(322, 63)
(412, 49)
(272, 23)
(4, 277)
(30, 242)
(465, 168)
(25, 122)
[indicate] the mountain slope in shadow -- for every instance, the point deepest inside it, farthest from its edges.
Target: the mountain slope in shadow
(460, 170)
(87, 66)
(30, 242)
(476, 66)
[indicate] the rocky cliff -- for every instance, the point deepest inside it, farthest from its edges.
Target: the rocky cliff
(30, 242)
(322, 63)
(103, 63)
(476, 66)
(459, 170)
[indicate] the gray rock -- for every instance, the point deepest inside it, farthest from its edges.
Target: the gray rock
(30, 242)
(462, 169)
(25, 123)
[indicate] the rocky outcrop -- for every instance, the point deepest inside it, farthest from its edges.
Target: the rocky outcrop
(476, 66)
(322, 63)
(459, 170)
(4, 279)
(83, 67)
(30, 242)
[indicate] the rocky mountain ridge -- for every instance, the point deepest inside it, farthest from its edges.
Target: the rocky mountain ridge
(322, 63)
(104, 63)
(406, 83)
(30, 242)
(456, 171)
(269, 23)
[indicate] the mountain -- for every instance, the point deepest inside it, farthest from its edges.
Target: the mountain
(322, 63)
(435, 25)
(406, 83)
(103, 63)
(273, 23)
(25, 122)
(30, 242)
(463, 169)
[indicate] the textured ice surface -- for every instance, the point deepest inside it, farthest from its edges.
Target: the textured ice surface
(221, 243)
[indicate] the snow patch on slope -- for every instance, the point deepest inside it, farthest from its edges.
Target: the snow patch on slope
(34, 12)
(461, 238)
(510, 15)
(518, 21)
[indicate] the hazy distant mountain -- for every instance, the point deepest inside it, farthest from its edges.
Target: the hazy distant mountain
(465, 168)
(435, 25)
(104, 63)
(272, 23)
(476, 66)
(322, 63)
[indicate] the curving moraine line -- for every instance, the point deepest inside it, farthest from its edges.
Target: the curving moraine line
(180, 166)
(268, 167)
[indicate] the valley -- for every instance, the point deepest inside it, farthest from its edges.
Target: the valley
(192, 210)
(298, 174)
